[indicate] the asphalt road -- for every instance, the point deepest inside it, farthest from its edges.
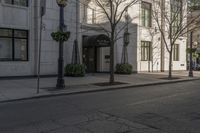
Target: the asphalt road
(172, 108)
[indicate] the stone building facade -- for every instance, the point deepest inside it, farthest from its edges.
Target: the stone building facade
(19, 57)
(19, 38)
(144, 49)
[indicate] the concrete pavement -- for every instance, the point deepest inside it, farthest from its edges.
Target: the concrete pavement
(20, 89)
(171, 108)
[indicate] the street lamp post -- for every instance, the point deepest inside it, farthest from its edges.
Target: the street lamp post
(60, 80)
(126, 38)
(191, 62)
(124, 59)
(126, 33)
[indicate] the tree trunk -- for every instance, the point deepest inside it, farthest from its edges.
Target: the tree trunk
(170, 65)
(112, 79)
(112, 62)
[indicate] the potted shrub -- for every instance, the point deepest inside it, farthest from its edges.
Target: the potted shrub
(60, 36)
(124, 68)
(75, 70)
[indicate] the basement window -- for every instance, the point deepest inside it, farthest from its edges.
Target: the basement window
(17, 2)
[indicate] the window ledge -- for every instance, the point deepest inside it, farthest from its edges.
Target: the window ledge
(90, 26)
(13, 6)
(146, 27)
(14, 61)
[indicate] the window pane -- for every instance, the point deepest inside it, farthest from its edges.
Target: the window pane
(8, 1)
(5, 33)
(20, 33)
(143, 17)
(20, 49)
(176, 52)
(17, 2)
(20, 2)
(176, 15)
(5, 49)
(146, 51)
(146, 14)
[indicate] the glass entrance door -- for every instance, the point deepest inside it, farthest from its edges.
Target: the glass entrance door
(89, 59)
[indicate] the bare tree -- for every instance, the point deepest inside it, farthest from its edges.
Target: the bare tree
(154, 50)
(174, 14)
(114, 11)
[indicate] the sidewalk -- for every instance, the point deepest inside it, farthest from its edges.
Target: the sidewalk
(20, 89)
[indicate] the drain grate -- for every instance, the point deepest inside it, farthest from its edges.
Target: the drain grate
(108, 84)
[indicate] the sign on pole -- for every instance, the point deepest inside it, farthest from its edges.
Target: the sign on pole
(42, 13)
(42, 7)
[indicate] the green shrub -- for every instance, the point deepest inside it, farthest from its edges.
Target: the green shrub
(193, 50)
(60, 36)
(123, 69)
(75, 70)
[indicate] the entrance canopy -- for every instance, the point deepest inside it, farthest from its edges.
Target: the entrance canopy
(96, 41)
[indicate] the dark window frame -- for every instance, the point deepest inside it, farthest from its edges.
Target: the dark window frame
(85, 13)
(146, 45)
(13, 3)
(176, 15)
(13, 44)
(93, 16)
(150, 17)
(176, 56)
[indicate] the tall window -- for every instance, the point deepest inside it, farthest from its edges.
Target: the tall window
(146, 51)
(17, 2)
(176, 15)
(176, 52)
(146, 14)
(13, 45)
(85, 13)
(91, 16)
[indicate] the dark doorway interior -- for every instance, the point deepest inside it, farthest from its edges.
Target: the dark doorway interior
(89, 59)
(90, 46)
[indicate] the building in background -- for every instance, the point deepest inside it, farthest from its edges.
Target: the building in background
(194, 6)
(146, 51)
(19, 33)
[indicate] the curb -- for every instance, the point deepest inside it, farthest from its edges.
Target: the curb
(99, 90)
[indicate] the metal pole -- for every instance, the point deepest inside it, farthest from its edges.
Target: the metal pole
(191, 62)
(39, 57)
(60, 80)
(77, 56)
(162, 58)
(42, 13)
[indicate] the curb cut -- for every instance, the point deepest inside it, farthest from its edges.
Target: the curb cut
(98, 90)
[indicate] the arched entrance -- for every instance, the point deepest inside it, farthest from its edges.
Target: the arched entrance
(96, 53)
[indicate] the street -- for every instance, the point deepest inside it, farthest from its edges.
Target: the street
(169, 108)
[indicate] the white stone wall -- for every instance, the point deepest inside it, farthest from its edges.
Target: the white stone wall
(28, 18)
(16, 17)
(133, 30)
(49, 47)
(152, 34)
(182, 41)
(140, 33)
(181, 64)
